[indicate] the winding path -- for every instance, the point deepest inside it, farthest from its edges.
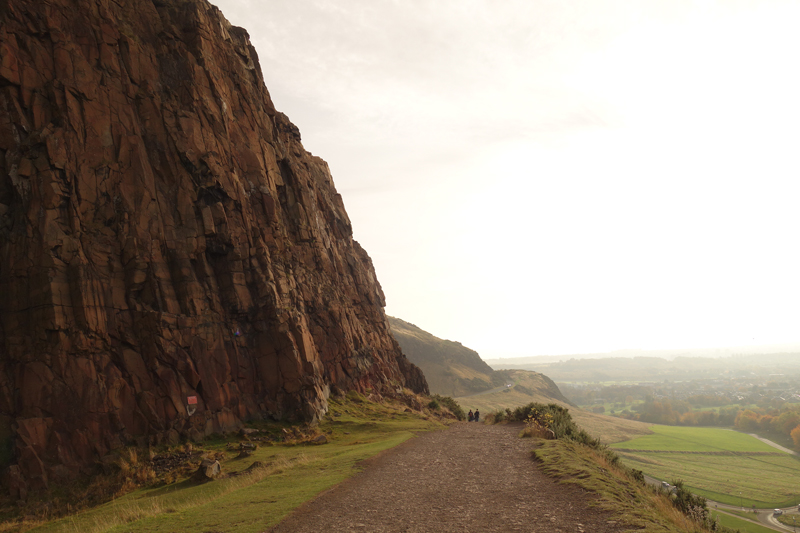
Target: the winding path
(773, 444)
(469, 478)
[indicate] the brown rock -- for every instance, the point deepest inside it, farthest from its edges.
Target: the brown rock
(164, 236)
(208, 470)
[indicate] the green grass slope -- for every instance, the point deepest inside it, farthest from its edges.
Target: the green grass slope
(517, 387)
(576, 457)
(722, 465)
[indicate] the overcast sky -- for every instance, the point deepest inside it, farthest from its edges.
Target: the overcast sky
(552, 176)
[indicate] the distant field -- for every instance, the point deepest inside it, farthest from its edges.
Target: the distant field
(718, 464)
(608, 428)
(696, 440)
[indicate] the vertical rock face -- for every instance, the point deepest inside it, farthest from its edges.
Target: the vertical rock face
(163, 234)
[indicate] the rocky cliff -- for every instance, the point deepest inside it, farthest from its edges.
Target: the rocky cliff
(163, 235)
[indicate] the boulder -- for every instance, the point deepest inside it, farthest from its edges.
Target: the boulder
(209, 470)
(319, 439)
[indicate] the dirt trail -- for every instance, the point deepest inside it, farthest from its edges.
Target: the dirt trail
(773, 444)
(469, 478)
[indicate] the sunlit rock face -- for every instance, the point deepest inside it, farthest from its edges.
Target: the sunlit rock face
(163, 235)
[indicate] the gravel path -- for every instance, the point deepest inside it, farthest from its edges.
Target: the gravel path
(469, 478)
(773, 444)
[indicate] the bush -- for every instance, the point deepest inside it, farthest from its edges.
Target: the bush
(693, 506)
(522, 389)
(555, 418)
(450, 404)
(536, 431)
(433, 404)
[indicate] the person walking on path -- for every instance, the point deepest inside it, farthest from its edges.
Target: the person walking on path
(477, 415)
(470, 415)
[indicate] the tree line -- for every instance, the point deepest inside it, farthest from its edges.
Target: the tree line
(784, 420)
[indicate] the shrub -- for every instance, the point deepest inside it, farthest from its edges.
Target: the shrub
(133, 471)
(522, 389)
(433, 404)
(450, 404)
(693, 506)
(555, 418)
(536, 431)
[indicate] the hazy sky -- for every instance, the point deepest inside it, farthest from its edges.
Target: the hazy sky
(550, 177)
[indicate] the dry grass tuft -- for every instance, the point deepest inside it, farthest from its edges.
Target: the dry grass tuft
(133, 471)
(537, 432)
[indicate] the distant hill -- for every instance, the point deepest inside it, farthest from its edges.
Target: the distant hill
(519, 387)
(657, 368)
(450, 368)
(668, 354)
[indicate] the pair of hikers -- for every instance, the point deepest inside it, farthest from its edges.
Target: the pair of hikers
(474, 417)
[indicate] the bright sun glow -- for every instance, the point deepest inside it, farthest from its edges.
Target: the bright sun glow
(557, 177)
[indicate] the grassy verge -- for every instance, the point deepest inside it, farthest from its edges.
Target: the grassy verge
(571, 455)
(790, 520)
(637, 506)
(281, 477)
(739, 524)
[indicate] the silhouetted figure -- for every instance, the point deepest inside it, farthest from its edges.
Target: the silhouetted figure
(477, 415)
(470, 415)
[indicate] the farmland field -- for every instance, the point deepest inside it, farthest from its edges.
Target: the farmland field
(722, 465)
(675, 438)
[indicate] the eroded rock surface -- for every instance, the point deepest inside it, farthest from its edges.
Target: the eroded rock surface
(163, 234)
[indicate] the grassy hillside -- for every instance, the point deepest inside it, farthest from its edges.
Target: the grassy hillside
(517, 387)
(450, 368)
(627, 500)
(720, 464)
(609, 429)
(573, 456)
